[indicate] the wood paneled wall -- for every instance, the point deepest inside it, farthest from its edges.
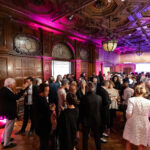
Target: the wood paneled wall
(20, 66)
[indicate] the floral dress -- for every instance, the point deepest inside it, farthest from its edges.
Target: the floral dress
(137, 128)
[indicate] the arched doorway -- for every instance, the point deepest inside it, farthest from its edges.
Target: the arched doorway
(62, 55)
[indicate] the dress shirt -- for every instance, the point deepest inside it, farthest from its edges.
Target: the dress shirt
(30, 92)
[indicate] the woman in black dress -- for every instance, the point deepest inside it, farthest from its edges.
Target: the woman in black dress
(67, 125)
(82, 91)
(42, 116)
(117, 83)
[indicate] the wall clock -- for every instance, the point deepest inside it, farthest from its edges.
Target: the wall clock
(27, 44)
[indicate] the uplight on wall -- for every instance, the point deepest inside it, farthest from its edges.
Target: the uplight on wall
(10, 68)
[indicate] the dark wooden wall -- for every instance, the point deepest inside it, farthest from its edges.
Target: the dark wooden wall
(20, 66)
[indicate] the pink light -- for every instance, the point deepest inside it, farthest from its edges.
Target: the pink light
(3, 121)
(71, 47)
(75, 38)
(98, 67)
(122, 66)
(78, 68)
(44, 28)
(77, 60)
(47, 58)
(45, 20)
(56, 26)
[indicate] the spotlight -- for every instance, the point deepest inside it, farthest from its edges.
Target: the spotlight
(70, 17)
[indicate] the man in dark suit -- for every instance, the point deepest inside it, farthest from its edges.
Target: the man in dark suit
(53, 91)
(101, 90)
(28, 104)
(90, 116)
(100, 78)
(8, 109)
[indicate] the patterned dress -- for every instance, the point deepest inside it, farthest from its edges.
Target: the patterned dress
(137, 128)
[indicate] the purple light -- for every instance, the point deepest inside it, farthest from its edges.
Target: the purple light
(146, 9)
(119, 50)
(131, 18)
(139, 15)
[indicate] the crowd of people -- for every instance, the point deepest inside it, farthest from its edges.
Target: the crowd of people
(61, 109)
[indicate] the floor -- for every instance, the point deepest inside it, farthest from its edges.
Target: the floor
(115, 141)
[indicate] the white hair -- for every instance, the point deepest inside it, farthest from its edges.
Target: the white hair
(38, 81)
(83, 81)
(8, 82)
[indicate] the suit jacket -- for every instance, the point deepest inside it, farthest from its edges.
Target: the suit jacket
(57, 84)
(90, 110)
(105, 102)
(80, 94)
(105, 96)
(53, 93)
(41, 113)
(34, 94)
(8, 105)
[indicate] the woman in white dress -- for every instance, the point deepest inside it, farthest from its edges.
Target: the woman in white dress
(137, 128)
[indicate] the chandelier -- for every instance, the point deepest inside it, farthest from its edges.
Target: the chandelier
(139, 52)
(109, 45)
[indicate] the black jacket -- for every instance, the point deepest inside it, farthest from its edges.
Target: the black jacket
(117, 85)
(34, 94)
(41, 113)
(105, 96)
(80, 94)
(8, 105)
(67, 128)
(53, 93)
(90, 110)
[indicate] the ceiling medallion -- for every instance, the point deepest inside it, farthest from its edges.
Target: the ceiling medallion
(100, 4)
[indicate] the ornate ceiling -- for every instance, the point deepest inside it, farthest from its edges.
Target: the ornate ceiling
(129, 19)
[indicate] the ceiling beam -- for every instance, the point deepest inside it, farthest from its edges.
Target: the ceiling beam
(71, 12)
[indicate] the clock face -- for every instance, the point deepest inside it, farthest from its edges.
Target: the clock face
(26, 44)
